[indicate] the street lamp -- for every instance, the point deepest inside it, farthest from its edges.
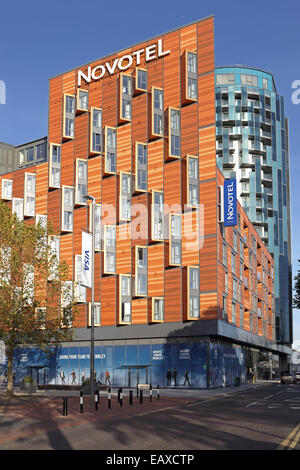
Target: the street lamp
(92, 355)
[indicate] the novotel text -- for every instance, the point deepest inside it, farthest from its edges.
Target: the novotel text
(155, 51)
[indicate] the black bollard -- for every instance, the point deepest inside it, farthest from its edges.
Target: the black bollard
(118, 395)
(150, 393)
(109, 398)
(137, 391)
(81, 402)
(121, 398)
(65, 406)
(96, 399)
(141, 396)
(158, 392)
(130, 397)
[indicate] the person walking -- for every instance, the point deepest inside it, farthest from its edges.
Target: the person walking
(62, 376)
(73, 375)
(107, 377)
(169, 377)
(186, 377)
(175, 376)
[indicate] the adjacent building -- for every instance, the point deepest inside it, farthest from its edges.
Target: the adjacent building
(176, 288)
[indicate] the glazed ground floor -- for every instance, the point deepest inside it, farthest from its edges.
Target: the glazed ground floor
(176, 362)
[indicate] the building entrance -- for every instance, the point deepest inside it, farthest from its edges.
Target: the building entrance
(39, 374)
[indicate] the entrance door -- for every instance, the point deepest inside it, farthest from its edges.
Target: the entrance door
(39, 375)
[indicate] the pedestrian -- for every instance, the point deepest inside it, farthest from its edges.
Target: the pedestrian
(83, 376)
(107, 377)
(169, 377)
(73, 375)
(62, 376)
(186, 377)
(95, 375)
(175, 376)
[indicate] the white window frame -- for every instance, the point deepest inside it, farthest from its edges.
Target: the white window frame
(3, 189)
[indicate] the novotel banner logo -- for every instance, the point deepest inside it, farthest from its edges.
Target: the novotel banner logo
(230, 203)
(155, 51)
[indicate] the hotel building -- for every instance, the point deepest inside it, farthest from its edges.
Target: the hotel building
(175, 288)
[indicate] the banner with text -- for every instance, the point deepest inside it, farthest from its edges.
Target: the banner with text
(86, 259)
(230, 203)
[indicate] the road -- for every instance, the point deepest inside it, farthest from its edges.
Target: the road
(266, 418)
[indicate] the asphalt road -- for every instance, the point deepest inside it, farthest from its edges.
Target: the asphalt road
(265, 418)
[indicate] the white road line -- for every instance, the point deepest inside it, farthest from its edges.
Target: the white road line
(269, 396)
(251, 404)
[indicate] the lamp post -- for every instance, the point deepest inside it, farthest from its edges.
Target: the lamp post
(92, 355)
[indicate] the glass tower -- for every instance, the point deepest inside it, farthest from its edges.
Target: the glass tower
(252, 146)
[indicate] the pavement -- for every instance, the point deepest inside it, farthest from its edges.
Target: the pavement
(27, 421)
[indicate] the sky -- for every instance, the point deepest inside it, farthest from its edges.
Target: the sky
(41, 39)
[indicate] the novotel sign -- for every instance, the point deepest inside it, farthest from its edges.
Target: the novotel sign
(155, 51)
(230, 203)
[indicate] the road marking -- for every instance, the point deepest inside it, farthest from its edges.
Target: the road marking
(269, 396)
(251, 404)
(291, 440)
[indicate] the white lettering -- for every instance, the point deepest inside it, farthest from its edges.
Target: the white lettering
(138, 56)
(99, 67)
(87, 78)
(160, 52)
(150, 53)
(125, 67)
(111, 69)
(295, 95)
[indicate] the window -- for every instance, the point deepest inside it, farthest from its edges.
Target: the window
(125, 97)
(193, 293)
(235, 289)
(225, 79)
(175, 239)
(191, 75)
(125, 298)
(98, 227)
(109, 249)
(110, 149)
(174, 132)
(233, 263)
(69, 116)
(224, 307)
(157, 112)
(29, 198)
(125, 196)
(192, 181)
(41, 219)
(224, 254)
(157, 228)
(226, 282)
(141, 167)
(97, 314)
(80, 292)
(66, 303)
(141, 80)
(96, 131)
(233, 312)
(82, 100)
(6, 192)
(157, 309)
(141, 268)
(265, 83)
(41, 151)
(81, 181)
(250, 80)
(40, 314)
(241, 316)
(54, 167)
(30, 155)
(67, 209)
(53, 256)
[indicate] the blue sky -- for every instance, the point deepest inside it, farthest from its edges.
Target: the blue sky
(40, 39)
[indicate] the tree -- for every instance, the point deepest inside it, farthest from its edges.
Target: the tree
(296, 299)
(36, 302)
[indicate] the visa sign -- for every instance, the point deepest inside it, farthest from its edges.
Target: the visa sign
(230, 203)
(86, 252)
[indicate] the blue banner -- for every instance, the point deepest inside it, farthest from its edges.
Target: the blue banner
(230, 203)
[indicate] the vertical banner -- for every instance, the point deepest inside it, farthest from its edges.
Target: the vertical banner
(230, 203)
(86, 259)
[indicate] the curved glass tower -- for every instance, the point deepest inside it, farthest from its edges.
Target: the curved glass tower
(252, 146)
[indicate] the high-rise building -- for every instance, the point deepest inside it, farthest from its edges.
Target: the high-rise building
(175, 287)
(253, 146)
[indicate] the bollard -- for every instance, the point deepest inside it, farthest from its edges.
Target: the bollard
(65, 406)
(150, 393)
(130, 397)
(96, 399)
(81, 402)
(158, 392)
(141, 396)
(109, 398)
(118, 395)
(137, 391)
(121, 398)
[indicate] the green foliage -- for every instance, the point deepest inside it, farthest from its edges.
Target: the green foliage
(28, 380)
(32, 284)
